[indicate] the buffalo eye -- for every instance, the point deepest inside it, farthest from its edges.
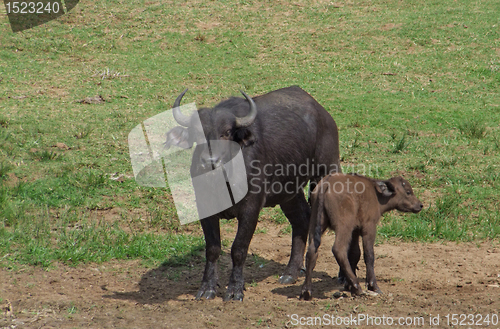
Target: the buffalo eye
(408, 192)
(226, 134)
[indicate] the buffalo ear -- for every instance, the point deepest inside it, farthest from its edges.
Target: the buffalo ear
(178, 136)
(244, 137)
(385, 188)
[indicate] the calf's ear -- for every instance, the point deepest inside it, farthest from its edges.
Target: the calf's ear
(178, 136)
(385, 188)
(244, 137)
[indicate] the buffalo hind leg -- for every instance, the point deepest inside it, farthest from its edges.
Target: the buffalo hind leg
(211, 229)
(311, 257)
(297, 211)
(316, 230)
(247, 222)
(340, 250)
(354, 256)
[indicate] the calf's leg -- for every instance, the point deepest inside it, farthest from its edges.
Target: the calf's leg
(354, 251)
(316, 229)
(354, 255)
(369, 256)
(311, 257)
(340, 251)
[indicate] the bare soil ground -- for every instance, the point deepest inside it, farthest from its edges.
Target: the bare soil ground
(418, 280)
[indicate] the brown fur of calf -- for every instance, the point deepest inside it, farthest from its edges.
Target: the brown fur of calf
(352, 205)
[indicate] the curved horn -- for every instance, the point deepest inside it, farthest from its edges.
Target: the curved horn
(181, 119)
(250, 118)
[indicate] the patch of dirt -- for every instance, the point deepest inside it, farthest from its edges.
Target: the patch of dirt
(61, 146)
(418, 280)
(390, 26)
(12, 180)
(92, 100)
(56, 92)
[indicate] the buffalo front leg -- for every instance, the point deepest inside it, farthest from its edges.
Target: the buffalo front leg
(369, 256)
(247, 222)
(211, 230)
(298, 212)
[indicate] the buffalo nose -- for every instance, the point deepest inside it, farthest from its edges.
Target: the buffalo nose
(417, 207)
(208, 162)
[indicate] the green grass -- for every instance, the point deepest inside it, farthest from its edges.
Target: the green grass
(400, 144)
(69, 241)
(473, 128)
(45, 155)
(447, 219)
(412, 85)
(72, 309)
(5, 168)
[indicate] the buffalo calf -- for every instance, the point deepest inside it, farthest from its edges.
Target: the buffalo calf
(352, 205)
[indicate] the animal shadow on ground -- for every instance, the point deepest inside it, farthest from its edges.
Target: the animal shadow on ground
(322, 289)
(175, 281)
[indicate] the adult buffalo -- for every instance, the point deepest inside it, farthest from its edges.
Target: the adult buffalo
(287, 139)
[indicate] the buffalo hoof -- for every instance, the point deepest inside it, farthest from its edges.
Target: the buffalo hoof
(206, 294)
(233, 296)
(373, 287)
(356, 292)
(306, 295)
(341, 280)
(354, 289)
(287, 279)
(376, 291)
(372, 293)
